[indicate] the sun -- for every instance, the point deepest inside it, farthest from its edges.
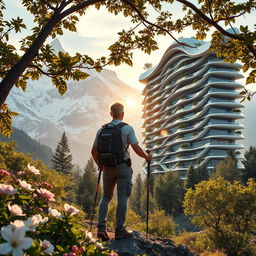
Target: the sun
(132, 103)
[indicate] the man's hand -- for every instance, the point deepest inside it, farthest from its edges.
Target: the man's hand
(100, 167)
(148, 157)
(140, 152)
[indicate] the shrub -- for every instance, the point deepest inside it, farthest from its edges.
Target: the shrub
(32, 220)
(227, 213)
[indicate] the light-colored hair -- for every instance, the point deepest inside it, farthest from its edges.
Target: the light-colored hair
(116, 108)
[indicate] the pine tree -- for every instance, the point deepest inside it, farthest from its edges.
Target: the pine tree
(62, 159)
(87, 186)
(136, 196)
(202, 173)
(192, 178)
(249, 163)
(168, 192)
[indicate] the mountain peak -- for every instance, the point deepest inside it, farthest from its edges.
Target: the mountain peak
(56, 45)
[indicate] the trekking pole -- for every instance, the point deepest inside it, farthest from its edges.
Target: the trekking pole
(95, 198)
(148, 187)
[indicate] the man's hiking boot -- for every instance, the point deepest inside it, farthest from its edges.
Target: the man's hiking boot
(122, 234)
(103, 234)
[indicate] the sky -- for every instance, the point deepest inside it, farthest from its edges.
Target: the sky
(97, 30)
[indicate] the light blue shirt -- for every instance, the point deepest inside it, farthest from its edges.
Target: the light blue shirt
(128, 137)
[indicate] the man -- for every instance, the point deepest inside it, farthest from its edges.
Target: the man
(120, 175)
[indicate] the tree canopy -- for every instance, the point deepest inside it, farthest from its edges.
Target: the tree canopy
(35, 58)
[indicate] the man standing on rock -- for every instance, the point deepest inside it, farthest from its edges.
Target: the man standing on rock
(111, 154)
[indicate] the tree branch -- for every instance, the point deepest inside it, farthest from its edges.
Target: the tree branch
(231, 17)
(217, 26)
(152, 24)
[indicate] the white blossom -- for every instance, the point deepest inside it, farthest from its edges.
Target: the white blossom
(71, 210)
(88, 237)
(33, 222)
(15, 210)
(54, 213)
(47, 247)
(7, 189)
(16, 241)
(25, 185)
(33, 169)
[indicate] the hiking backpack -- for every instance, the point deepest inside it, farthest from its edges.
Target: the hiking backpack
(110, 145)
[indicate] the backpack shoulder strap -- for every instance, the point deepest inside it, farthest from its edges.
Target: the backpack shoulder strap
(122, 124)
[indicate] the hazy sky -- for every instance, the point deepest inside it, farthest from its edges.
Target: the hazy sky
(98, 29)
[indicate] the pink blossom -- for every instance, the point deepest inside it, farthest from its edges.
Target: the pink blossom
(112, 253)
(75, 248)
(82, 249)
(71, 210)
(65, 254)
(21, 173)
(46, 194)
(4, 173)
(47, 185)
(7, 189)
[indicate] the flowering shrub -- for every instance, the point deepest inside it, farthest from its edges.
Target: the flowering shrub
(30, 225)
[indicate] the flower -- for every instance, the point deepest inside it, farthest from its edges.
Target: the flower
(25, 185)
(4, 173)
(54, 213)
(7, 189)
(112, 253)
(15, 210)
(71, 210)
(46, 194)
(16, 241)
(88, 237)
(17, 224)
(75, 248)
(47, 185)
(99, 245)
(21, 173)
(82, 249)
(47, 247)
(33, 222)
(33, 169)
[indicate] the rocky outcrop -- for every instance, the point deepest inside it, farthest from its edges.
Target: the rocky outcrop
(154, 246)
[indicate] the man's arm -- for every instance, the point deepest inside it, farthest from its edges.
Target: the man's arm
(95, 155)
(140, 152)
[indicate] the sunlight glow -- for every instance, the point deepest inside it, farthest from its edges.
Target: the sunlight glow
(132, 103)
(163, 133)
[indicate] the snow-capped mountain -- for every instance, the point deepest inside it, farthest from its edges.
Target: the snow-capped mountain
(80, 112)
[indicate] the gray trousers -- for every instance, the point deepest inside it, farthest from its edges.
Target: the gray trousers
(121, 176)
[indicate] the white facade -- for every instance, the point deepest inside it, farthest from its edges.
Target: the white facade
(191, 108)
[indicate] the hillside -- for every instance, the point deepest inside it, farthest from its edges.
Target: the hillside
(26, 145)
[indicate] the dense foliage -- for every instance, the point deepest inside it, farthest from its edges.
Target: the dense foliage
(35, 59)
(226, 212)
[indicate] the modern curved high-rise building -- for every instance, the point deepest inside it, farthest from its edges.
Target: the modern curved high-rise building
(191, 108)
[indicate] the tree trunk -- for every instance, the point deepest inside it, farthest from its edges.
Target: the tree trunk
(17, 70)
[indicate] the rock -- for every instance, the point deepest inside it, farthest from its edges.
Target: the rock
(154, 246)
